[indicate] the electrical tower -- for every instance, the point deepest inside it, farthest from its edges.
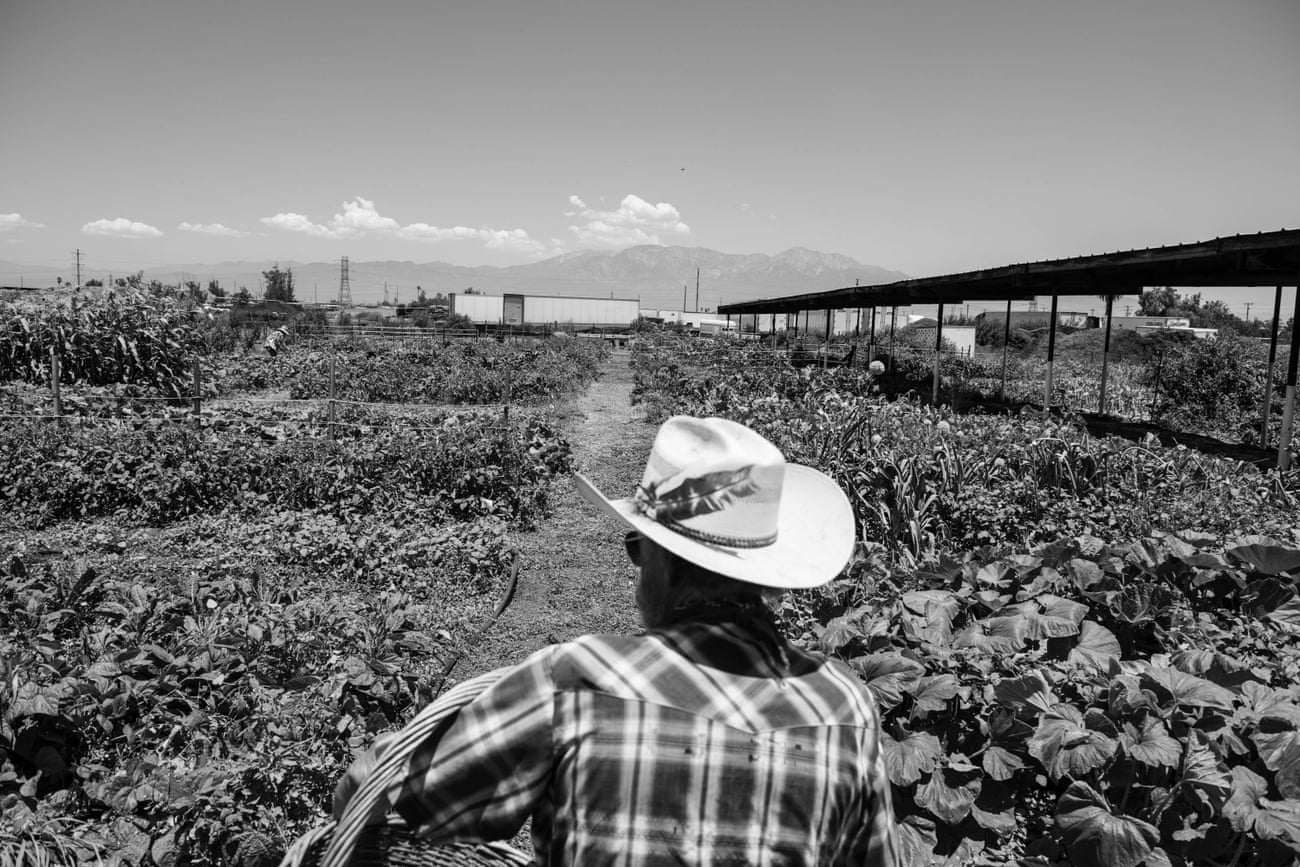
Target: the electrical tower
(345, 289)
(77, 253)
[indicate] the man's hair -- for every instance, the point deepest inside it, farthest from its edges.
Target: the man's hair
(691, 582)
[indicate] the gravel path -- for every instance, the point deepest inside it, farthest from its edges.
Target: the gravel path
(574, 577)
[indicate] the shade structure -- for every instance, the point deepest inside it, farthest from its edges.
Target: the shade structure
(1261, 259)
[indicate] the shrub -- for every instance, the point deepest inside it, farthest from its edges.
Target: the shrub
(1216, 384)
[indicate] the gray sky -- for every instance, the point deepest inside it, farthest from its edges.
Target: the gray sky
(927, 136)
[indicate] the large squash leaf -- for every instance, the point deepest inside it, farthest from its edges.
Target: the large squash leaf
(1203, 771)
(1095, 836)
(1050, 616)
(1186, 690)
(949, 794)
(1097, 646)
(1251, 811)
(1028, 692)
(1280, 750)
(910, 757)
(1265, 555)
(1065, 744)
(928, 615)
(995, 635)
(1000, 763)
(1149, 742)
(934, 693)
(917, 841)
(889, 675)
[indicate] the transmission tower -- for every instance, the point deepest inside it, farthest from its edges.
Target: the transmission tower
(345, 289)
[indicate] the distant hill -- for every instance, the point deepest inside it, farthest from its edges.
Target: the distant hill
(656, 275)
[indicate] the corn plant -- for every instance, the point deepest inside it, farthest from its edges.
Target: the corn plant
(128, 338)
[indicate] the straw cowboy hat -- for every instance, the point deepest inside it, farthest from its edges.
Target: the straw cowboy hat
(721, 496)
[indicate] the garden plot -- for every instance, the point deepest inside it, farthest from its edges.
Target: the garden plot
(204, 616)
(1086, 651)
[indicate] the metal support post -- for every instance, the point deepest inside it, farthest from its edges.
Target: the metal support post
(1051, 355)
(1288, 411)
(893, 320)
(871, 338)
(1105, 355)
(938, 345)
(826, 355)
(1267, 408)
(1006, 342)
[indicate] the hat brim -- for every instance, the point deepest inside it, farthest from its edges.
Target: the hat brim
(814, 538)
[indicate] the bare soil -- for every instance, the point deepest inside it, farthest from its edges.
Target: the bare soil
(574, 577)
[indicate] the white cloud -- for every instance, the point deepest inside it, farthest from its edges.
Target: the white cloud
(360, 218)
(11, 222)
(212, 229)
(296, 223)
(635, 222)
(514, 240)
(121, 228)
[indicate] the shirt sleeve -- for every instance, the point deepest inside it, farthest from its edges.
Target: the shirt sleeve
(875, 843)
(490, 768)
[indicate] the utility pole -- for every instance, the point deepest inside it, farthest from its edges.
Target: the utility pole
(345, 286)
(1248, 303)
(697, 290)
(683, 297)
(77, 253)
(1127, 308)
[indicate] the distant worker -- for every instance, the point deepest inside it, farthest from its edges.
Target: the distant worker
(274, 339)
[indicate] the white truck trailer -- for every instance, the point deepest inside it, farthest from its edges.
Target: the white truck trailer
(481, 309)
(547, 311)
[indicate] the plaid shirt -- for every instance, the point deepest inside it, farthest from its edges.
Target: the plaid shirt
(705, 742)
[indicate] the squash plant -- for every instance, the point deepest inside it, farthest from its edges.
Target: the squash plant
(1092, 703)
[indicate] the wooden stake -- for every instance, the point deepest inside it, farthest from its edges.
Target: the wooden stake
(198, 386)
(54, 384)
(333, 357)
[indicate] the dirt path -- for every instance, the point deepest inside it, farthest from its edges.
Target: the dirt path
(574, 577)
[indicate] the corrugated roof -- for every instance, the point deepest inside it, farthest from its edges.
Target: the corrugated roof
(1262, 259)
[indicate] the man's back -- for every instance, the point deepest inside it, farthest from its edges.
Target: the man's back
(707, 741)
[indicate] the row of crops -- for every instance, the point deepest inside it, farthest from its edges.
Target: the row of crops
(202, 620)
(137, 347)
(1086, 650)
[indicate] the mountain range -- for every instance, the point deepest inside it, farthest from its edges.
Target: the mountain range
(656, 275)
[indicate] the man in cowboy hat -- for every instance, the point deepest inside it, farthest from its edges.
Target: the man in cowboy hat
(708, 738)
